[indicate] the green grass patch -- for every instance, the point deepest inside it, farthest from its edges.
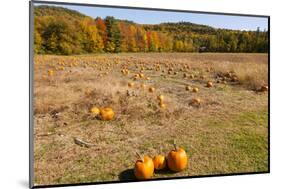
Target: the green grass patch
(252, 148)
(257, 118)
(244, 142)
(250, 141)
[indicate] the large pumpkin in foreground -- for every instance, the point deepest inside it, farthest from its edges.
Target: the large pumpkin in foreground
(106, 114)
(177, 159)
(144, 168)
(159, 162)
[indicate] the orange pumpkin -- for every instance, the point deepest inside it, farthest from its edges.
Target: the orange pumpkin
(209, 84)
(95, 111)
(141, 75)
(162, 105)
(177, 159)
(106, 114)
(130, 84)
(160, 98)
(188, 88)
(159, 162)
(50, 72)
(144, 168)
(151, 89)
(195, 89)
(195, 102)
(264, 88)
(142, 86)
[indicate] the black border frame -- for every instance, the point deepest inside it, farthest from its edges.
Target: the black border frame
(31, 73)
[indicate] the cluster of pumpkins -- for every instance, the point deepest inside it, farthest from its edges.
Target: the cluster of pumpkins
(229, 76)
(190, 88)
(176, 161)
(160, 97)
(196, 101)
(142, 86)
(52, 72)
(58, 64)
(105, 114)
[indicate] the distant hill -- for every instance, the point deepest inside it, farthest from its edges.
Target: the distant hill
(63, 31)
(182, 27)
(45, 10)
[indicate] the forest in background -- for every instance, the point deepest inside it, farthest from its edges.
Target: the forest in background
(63, 31)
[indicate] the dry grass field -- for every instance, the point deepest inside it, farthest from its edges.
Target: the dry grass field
(226, 132)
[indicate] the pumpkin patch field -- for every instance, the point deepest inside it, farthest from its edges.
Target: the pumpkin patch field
(110, 117)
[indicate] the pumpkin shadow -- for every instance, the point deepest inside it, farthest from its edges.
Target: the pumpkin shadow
(127, 175)
(164, 172)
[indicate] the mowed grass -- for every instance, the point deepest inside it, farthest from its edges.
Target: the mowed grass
(227, 133)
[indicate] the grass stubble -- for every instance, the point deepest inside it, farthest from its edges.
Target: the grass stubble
(226, 134)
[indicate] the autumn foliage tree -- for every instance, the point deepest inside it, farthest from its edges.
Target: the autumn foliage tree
(113, 35)
(93, 42)
(59, 30)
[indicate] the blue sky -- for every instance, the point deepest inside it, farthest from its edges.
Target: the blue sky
(156, 17)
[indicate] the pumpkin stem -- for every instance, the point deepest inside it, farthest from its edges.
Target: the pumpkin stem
(174, 144)
(139, 156)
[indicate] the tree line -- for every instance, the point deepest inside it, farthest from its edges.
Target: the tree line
(62, 31)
